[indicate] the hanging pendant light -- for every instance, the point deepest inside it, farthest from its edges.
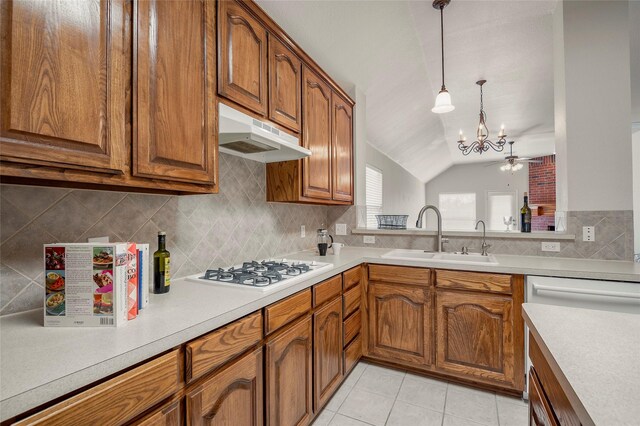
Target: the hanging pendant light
(443, 100)
(482, 142)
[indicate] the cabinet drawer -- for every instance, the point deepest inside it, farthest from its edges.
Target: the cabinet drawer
(169, 414)
(400, 274)
(352, 354)
(352, 277)
(351, 300)
(211, 351)
(352, 326)
(285, 311)
(327, 290)
(120, 399)
(474, 281)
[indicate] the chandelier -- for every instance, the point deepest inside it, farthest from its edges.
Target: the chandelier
(482, 142)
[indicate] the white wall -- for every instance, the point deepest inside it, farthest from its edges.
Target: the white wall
(479, 179)
(593, 101)
(402, 193)
(636, 190)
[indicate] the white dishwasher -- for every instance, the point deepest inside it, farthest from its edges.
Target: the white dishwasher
(614, 296)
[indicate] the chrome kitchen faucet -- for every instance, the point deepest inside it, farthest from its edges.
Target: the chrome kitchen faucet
(441, 240)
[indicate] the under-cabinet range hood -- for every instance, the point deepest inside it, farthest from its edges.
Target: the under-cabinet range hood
(243, 135)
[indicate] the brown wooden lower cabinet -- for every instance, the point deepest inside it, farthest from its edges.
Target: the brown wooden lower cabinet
(540, 412)
(327, 349)
(476, 336)
(289, 376)
(400, 322)
(230, 397)
(170, 414)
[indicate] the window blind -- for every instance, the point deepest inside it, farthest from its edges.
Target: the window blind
(373, 191)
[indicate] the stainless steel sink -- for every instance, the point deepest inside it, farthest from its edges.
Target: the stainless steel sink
(469, 259)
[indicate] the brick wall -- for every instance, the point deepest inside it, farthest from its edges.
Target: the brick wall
(542, 189)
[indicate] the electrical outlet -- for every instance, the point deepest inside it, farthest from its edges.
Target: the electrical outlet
(369, 239)
(303, 231)
(341, 229)
(549, 246)
(588, 233)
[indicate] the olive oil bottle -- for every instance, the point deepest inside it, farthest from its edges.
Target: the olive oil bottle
(161, 266)
(525, 215)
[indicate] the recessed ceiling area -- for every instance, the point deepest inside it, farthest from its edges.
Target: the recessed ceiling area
(390, 50)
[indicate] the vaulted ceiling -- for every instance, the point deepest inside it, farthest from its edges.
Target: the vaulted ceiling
(390, 50)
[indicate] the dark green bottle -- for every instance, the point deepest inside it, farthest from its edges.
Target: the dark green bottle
(161, 266)
(525, 215)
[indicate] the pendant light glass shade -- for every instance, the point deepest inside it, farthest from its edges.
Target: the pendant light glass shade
(443, 103)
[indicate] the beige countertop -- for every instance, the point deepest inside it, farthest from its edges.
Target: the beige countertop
(595, 355)
(38, 364)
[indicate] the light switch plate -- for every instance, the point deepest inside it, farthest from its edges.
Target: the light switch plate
(588, 233)
(341, 229)
(369, 239)
(303, 231)
(550, 246)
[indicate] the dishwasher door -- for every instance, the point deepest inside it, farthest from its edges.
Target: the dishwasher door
(614, 296)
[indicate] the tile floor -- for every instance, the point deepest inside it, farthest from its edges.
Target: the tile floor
(378, 396)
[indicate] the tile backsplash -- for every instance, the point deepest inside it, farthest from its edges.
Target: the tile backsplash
(203, 231)
(613, 230)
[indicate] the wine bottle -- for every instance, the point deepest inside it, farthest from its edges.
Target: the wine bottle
(525, 215)
(161, 266)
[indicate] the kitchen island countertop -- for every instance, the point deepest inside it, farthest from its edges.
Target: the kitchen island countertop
(38, 364)
(595, 357)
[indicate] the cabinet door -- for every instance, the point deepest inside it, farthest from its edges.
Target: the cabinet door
(175, 130)
(327, 349)
(540, 411)
(232, 397)
(169, 414)
(63, 83)
(242, 72)
(475, 335)
(289, 376)
(316, 136)
(342, 149)
(285, 85)
(400, 323)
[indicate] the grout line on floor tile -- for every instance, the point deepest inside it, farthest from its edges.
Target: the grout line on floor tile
(396, 397)
(495, 398)
(444, 407)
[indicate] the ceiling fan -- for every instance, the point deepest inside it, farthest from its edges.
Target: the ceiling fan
(513, 163)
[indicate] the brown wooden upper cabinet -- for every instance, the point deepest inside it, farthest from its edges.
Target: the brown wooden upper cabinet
(342, 149)
(316, 136)
(242, 71)
(92, 98)
(175, 126)
(285, 85)
(64, 84)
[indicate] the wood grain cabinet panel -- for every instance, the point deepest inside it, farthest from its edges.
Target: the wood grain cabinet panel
(351, 300)
(540, 412)
(400, 324)
(242, 71)
(289, 376)
(316, 136)
(285, 311)
(120, 399)
(352, 353)
(352, 326)
(285, 85)
(170, 414)
(327, 290)
(351, 277)
(211, 351)
(63, 83)
(232, 397)
(474, 281)
(175, 125)
(476, 336)
(327, 332)
(400, 274)
(342, 149)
